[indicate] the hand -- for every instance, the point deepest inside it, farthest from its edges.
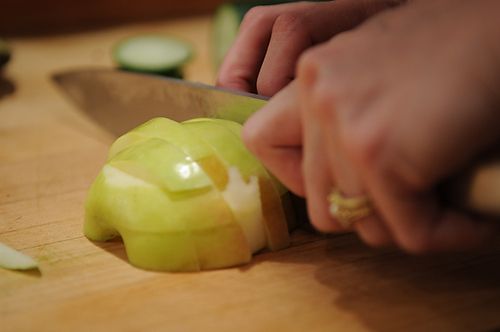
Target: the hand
(271, 39)
(391, 109)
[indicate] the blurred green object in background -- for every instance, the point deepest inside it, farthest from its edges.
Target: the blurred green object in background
(153, 54)
(4, 53)
(226, 23)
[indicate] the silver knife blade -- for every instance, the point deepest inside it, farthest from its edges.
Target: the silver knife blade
(119, 101)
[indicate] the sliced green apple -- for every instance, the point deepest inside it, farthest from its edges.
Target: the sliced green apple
(182, 204)
(244, 200)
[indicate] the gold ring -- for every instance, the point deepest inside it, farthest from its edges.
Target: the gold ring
(346, 210)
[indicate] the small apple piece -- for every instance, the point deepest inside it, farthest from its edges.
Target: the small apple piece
(235, 128)
(244, 200)
(14, 260)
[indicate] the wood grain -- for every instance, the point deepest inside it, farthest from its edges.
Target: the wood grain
(50, 153)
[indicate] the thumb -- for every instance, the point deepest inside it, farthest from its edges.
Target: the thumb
(274, 135)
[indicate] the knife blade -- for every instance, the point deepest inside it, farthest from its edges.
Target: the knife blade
(119, 101)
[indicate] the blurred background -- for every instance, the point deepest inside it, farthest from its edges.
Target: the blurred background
(34, 17)
(56, 33)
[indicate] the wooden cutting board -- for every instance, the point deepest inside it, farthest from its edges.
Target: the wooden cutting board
(50, 153)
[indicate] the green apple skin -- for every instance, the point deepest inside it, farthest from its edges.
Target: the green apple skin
(284, 194)
(225, 138)
(162, 191)
(162, 231)
(167, 130)
(235, 128)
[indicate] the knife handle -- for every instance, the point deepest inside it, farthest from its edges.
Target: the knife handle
(478, 189)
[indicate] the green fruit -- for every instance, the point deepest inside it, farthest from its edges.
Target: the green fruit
(185, 197)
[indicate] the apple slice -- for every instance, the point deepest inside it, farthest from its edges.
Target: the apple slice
(229, 147)
(167, 130)
(235, 128)
(244, 200)
(14, 260)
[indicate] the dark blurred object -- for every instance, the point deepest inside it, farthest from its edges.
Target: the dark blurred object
(4, 53)
(6, 87)
(174, 73)
(32, 17)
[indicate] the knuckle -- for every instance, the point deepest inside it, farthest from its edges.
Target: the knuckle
(234, 82)
(309, 62)
(412, 174)
(269, 85)
(255, 16)
(288, 23)
(364, 144)
(266, 86)
(324, 95)
(324, 105)
(251, 139)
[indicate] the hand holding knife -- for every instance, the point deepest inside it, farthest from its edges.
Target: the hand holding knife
(118, 101)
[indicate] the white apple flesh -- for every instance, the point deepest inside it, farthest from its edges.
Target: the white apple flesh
(15, 260)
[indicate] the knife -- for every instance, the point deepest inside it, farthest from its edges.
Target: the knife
(119, 101)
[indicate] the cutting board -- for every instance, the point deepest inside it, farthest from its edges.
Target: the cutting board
(50, 153)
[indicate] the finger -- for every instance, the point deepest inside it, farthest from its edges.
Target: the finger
(315, 81)
(289, 38)
(371, 228)
(349, 178)
(456, 231)
(241, 64)
(317, 176)
(373, 232)
(297, 29)
(420, 224)
(243, 61)
(274, 135)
